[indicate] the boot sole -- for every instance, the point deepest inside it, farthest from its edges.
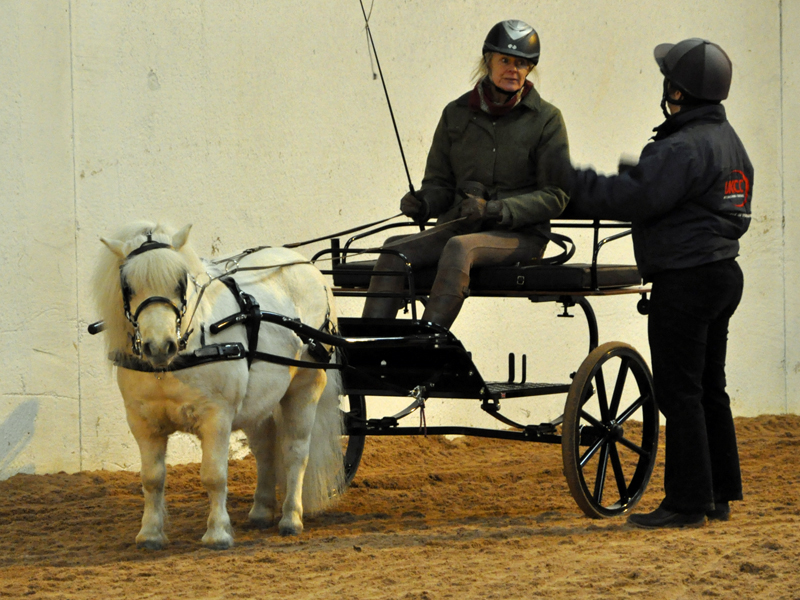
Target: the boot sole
(693, 525)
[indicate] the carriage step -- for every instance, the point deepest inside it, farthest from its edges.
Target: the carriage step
(504, 389)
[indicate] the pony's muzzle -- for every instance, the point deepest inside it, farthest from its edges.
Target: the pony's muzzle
(160, 355)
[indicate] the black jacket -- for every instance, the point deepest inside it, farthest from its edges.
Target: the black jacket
(688, 198)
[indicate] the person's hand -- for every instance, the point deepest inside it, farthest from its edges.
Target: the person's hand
(415, 207)
(410, 205)
(473, 208)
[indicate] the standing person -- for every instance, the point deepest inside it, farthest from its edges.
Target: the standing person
(487, 175)
(688, 199)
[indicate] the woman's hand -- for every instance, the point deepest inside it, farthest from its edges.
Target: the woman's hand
(414, 207)
(410, 205)
(473, 208)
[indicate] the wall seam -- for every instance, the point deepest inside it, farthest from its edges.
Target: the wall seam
(75, 224)
(783, 213)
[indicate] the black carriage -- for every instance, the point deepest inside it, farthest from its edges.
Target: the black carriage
(609, 428)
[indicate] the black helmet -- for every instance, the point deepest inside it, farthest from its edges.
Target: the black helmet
(513, 37)
(697, 67)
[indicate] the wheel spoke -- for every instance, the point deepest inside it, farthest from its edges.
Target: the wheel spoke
(353, 444)
(600, 480)
(619, 475)
(619, 386)
(592, 420)
(640, 401)
(602, 397)
(633, 447)
(589, 454)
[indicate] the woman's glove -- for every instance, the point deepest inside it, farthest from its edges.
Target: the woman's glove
(414, 207)
(473, 209)
(477, 209)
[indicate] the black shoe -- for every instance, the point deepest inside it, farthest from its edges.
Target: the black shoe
(721, 512)
(663, 518)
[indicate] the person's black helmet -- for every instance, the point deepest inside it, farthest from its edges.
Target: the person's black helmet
(513, 37)
(697, 67)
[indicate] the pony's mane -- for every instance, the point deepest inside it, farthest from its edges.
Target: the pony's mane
(156, 271)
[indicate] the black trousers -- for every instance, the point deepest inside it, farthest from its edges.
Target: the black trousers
(688, 331)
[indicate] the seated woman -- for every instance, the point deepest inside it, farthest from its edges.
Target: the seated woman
(489, 179)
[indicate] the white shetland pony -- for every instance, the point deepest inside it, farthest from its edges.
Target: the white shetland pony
(149, 283)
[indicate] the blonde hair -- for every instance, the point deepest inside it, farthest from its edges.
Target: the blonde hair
(481, 69)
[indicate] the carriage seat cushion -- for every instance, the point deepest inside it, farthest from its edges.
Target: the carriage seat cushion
(571, 277)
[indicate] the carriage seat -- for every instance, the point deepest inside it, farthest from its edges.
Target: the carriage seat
(570, 277)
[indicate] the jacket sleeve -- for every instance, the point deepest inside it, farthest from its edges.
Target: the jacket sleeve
(657, 184)
(551, 158)
(439, 182)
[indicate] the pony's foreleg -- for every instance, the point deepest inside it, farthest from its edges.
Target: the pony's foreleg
(262, 445)
(298, 410)
(215, 439)
(153, 450)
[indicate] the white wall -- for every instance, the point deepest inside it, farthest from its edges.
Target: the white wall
(261, 123)
(790, 169)
(40, 380)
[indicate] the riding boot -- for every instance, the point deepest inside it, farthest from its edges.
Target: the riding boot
(385, 308)
(447, 296)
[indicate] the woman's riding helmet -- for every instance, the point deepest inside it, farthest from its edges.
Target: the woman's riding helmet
(696, 67)
(515, 38)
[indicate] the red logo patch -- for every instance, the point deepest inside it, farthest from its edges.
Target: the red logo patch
(737, 188)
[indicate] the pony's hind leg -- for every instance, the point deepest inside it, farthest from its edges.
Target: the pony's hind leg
(153, 450)
(262, 445)
(298, 410)
(215, 439)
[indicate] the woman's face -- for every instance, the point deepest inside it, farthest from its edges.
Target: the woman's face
(508, 72)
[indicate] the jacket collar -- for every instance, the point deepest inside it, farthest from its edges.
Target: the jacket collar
(706, 113)
(532, 100)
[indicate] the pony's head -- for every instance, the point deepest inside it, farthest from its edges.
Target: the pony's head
(140, 288)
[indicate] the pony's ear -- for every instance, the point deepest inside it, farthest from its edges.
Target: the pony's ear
(179, 239)
(115, 246)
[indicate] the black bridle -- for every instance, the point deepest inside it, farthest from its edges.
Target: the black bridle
(127, 294)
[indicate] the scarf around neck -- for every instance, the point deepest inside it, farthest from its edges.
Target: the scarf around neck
(480, 99)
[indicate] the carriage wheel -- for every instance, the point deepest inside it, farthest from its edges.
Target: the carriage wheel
(353, 445)
(610, 435)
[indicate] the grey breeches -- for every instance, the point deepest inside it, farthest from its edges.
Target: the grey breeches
(455, 256)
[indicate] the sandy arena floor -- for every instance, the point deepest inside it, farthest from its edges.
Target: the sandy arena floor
(426, 518)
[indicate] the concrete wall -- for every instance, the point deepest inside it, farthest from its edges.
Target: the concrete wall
(40, 405)
(262, 123)
(790, 170)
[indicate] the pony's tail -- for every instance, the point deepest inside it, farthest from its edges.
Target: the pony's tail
(324, 478)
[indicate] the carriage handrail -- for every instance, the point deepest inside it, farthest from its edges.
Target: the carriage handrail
(567, 221)
(561, 222)
(337, 253)
(604, 241)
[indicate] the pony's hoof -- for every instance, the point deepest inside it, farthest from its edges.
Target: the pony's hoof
(290, 528)
(262, 516)
(220, 543)
(151, 544)
(261, 523)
